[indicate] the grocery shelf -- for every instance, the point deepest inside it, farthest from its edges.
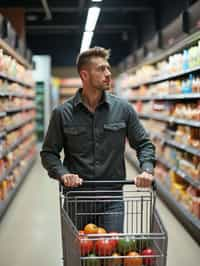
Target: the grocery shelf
(181, 173)
(167, 77)
(175, 144)
(191, 223)
(180, 96)
(18, 142)
(4, 204)
(162, 54)
(183, 147)
(10, 79)
(16, 162)
(13, 127)
(14, 54)
(15, 94)
(19, 109)
(192, 123)
(13, 110)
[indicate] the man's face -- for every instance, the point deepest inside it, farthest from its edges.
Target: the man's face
(99, 74)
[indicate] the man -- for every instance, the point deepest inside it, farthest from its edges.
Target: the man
(92, 128)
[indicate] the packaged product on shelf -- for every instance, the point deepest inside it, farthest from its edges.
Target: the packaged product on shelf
(161, 107)
(3, 189)
(2, 145)
(196, 85)
(161, 172)
(182, 134)
(185, 60)
(2, 167)
(10, 183)
(195, 201)
(178, 186)
(9, 160)
(186, 85)
(196, 207)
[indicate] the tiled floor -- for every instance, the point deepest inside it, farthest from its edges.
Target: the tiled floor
(30, 230)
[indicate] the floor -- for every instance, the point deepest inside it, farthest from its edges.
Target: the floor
(30, 230)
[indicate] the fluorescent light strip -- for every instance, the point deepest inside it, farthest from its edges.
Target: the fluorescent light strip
(96, 0)
(92, 17)
(86, 40)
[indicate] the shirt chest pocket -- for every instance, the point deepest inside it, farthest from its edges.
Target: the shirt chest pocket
(76, 138)
(115, 134)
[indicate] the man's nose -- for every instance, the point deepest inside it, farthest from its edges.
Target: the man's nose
(107, 72)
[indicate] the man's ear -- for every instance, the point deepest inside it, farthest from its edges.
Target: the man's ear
(84, 75)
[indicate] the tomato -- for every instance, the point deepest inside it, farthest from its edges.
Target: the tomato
(86, 246)
(148, 252)
(126, 245)
(133, 260)
(90, 229)
(94, 261)
(101, 230)
(103, 247)
(115, 261)
(114, 239)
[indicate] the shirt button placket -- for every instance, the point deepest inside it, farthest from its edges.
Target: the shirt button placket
(95, 145)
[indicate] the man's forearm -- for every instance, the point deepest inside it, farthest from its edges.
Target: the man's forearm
(52, 163)
(146, 156)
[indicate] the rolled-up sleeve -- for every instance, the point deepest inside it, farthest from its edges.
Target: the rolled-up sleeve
(139, 140)
(52, 146)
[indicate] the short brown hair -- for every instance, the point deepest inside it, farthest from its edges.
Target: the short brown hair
(84, 58)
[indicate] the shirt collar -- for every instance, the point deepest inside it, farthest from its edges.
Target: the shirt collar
(78, 99)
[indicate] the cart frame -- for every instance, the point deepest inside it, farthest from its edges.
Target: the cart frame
(142, 223)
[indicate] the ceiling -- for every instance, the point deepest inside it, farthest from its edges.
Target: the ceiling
(123, 25)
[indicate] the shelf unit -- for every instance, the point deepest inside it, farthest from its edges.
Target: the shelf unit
(168, 77)
(186, 218)
(10, 79)
(192, 123)
(12, 193)
(15, 144)
(181, 173)
(31, 147)
(175, 144)
(191, 223)
(9, 50)
(181, 96)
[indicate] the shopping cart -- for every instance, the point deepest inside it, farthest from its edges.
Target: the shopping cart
(142, 240)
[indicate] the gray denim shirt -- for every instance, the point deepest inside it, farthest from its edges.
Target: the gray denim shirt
(94, 143)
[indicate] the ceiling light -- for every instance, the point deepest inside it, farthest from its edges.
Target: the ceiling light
(86, 41)
(96, 0)
(92, 17)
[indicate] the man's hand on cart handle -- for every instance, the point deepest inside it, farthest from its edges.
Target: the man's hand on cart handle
(144, 180)
(71, 180)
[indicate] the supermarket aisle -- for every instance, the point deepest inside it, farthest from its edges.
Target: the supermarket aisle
(30, 230)
(182, 249)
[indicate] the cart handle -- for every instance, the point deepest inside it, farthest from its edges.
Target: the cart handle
(117, 182)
